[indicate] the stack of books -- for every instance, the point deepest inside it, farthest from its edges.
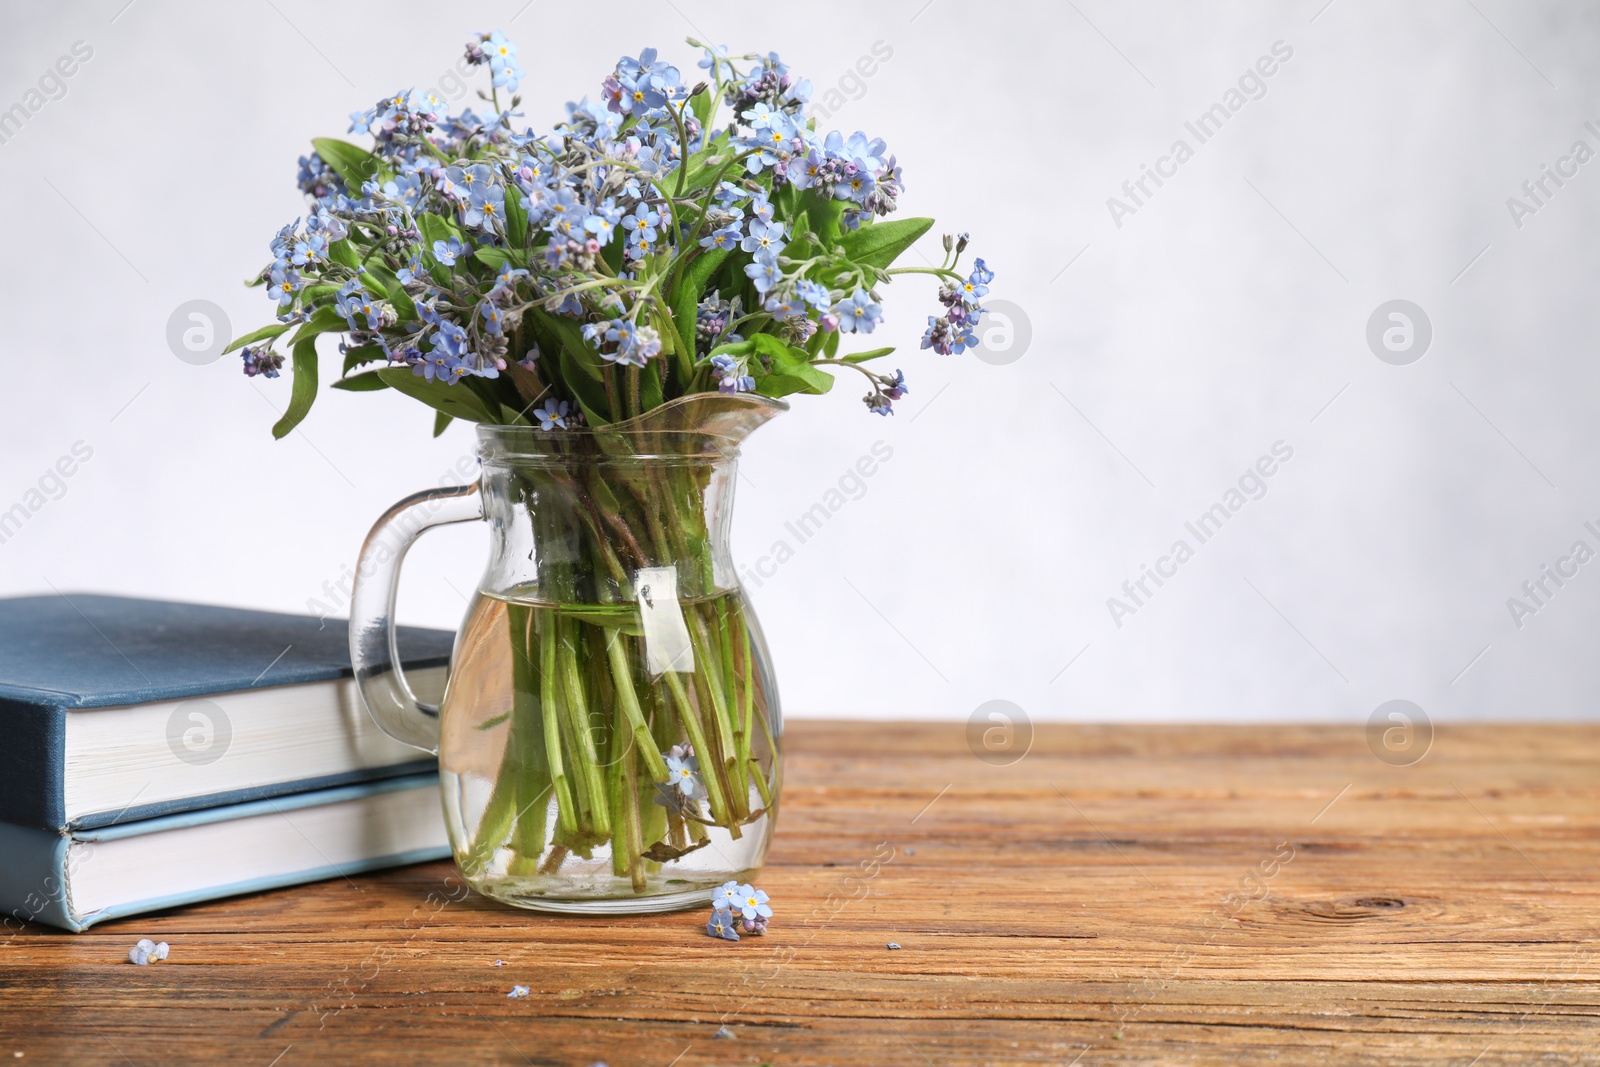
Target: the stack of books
(158, 754)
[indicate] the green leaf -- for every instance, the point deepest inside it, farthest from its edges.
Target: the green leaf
(344, 253)
(263, 334)
(441, 422)
(494, 257)
(354, 165)
(488, 393)
(366, 382)
(304, 390)
(700, 103)
(592, 413)
(357, 356)
(779, 369)
(323, 320)
(824, 214)
(589, 392)
(862, 357)
(801, 246)
(404, 306)
(881, 243)
(704, 165)
(516, 219)
(436, 228)
(685, 303)
(569, 339)
(453, 400)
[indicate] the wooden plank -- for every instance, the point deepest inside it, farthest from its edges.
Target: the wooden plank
(1173, 895)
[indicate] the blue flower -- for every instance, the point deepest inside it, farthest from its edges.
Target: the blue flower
(858, 313)
(764, 237)
(502, 61)
(552, 415)
(642, 85)
(764, 272)
(752, 903)
(486, 207)
(262, 361)
(459, 182)
(358, 303)
(730, 374)
(974, 288)
(447, 251)
(725, 895)
(642, 223)
(285, 282)
(602, 221)
(635, 344)
(722, 925)
(783, 310)
(517, 992)
(683, 774)
(147, 951)
(981, 272)
(506, 277)
(717, 56)
(562, 215)
(434, 366)
(451, 339)
(727, 237)
(814, 294)
(491, 318)
(309, 249)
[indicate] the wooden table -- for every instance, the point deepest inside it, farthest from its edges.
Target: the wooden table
(1194, 895)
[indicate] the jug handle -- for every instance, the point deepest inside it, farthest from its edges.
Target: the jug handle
(374, 651)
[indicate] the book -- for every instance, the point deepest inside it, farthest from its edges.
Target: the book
(89, 875)
(119, 710)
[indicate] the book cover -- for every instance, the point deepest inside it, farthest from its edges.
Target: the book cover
(80, 878)
(66, 654)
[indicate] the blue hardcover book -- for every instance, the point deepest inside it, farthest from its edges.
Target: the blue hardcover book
(85, 876)
(117, 710)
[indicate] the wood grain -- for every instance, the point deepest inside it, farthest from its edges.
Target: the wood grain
(1092, 904)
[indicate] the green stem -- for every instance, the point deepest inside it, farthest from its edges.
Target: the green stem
(697, 738)
(578, 721)
(634, 842)
(628, 700)
(566, 812)
(611, 394)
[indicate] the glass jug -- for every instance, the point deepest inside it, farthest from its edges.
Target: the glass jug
(609, 738)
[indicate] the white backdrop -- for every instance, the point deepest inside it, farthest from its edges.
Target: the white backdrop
(1159, 349)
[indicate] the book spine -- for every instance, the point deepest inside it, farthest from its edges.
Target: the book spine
(34, 880)
(32, 759)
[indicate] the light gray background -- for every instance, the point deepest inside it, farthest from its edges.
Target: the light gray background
(1166, 355)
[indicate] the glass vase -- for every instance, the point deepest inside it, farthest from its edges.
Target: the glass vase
(610, 735)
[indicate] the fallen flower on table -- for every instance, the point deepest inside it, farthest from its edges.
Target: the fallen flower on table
(738, 909)
(147, 952)
(517, 992)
